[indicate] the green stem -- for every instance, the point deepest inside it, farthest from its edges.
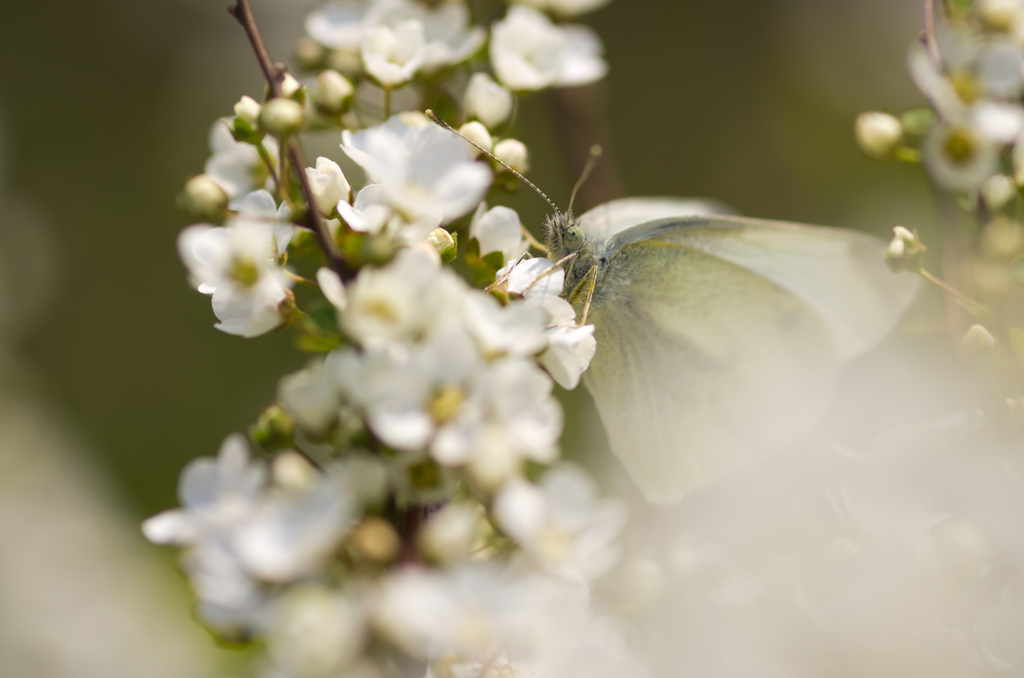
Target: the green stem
(971, 304)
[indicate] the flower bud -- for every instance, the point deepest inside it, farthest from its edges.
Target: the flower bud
(1002, 237)
(274, 428)
(998, 190)
(998, 14)
(292, 471)
(444, 243)
(451, 534)
(346, 62)
(290, 87)
(309, 53)
(281, 117)
(904, 249)
(487, 101)
(328, 185)
(878, 134)
(248, 110)
(331, 92)
(311, 399)
(978, 340)
(513, 153)
(478, 134)
(375, 539)
(204, 200)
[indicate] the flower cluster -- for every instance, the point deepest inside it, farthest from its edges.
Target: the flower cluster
(401, 507)
(969, 64)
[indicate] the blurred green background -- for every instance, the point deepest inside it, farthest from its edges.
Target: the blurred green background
(106, 106)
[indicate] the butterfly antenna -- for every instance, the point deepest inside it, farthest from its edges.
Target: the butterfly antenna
(592, 158)
(442, 123)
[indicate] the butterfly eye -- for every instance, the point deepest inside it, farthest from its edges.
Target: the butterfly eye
(573, 237)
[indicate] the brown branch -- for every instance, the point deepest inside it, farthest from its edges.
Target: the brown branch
(931, 42)
(274, 74)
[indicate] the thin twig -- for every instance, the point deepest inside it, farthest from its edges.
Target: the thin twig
(964, 299)
(931, 42)
(274, 75)
(269, 163)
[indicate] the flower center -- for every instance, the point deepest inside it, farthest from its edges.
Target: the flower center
(959, 146)
(244, 271)
(446, 403)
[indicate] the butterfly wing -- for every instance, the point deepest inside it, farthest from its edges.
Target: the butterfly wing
(608, 219)
(719, 339)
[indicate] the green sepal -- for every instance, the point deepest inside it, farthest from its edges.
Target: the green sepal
(244, 132)
(274, 430)
(449, 255)
(484, 267)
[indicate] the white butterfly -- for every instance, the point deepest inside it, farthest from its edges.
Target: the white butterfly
(719, 338)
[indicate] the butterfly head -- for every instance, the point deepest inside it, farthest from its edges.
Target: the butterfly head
(563, 234)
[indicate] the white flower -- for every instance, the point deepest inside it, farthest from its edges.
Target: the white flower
(293, 534)
(315, 631)
(516, 329)
(370, 214)
(328, 184)
(487, 101)
(339, 24)
(237, 264)
(531, 279)
(406, 394)
(402, 301)
(332, 288)
(473, 620)
(449, 38)
(215, 494)
(561, 522)
(565, 8)
(569, 352)
(237, 167)
(959, 158)
(498, 230)
(529, 52)
(311, 398)
(424, 171)
(509, 416)
(393, 55)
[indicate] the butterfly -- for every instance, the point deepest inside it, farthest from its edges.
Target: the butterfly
(719, 338)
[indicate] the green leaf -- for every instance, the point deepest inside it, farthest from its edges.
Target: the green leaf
(315, 343)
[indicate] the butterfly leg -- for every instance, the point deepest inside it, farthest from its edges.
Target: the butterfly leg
(550, 270)
(592, 274)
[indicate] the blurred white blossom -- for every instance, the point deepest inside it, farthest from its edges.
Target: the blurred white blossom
(237, 167)
(529, 52)
(487, 101)
(425, 172)
(561, 522)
